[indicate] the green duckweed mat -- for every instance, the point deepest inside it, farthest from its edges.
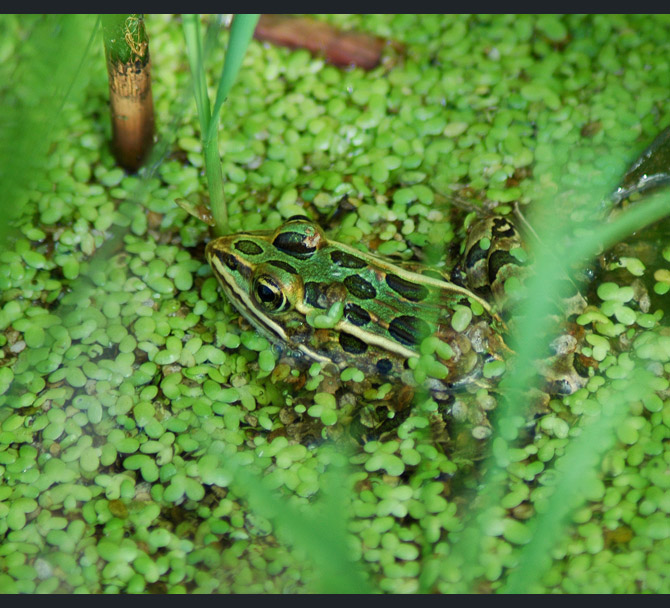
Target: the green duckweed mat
(151, 441)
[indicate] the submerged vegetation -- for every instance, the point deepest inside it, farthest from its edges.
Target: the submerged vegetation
(152, 441)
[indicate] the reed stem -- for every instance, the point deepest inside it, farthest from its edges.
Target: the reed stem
(131, 102)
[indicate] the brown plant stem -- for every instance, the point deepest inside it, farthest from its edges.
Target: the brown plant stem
(131, 102)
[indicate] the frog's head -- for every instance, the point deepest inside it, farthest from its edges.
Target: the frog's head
(262, 272)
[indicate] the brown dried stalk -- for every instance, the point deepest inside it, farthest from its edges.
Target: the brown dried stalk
(131, 102)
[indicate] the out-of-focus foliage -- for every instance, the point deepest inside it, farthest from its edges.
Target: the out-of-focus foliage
(34, 86)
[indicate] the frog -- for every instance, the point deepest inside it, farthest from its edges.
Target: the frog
(321, 300)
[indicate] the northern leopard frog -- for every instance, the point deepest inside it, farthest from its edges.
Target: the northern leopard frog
(382, 313)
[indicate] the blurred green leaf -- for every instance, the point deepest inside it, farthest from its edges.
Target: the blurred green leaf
(558, 251)
(49, 72)
(320, 531)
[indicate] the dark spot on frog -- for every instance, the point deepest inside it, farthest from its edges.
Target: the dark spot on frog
(359, 287)
(284, 266)
(233, 263)
(499, 259)
(352, 344)
(248, 247)
(356, 315)
(227, 259)
(323, 295)
(502, 228)
(384, 366)
(347, 260)
(407, 289)
(315, 294)
(475, 254)
(408, 330)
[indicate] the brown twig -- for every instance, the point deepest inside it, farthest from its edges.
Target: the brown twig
(339, 47)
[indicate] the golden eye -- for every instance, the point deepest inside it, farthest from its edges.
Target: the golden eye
(269, 295)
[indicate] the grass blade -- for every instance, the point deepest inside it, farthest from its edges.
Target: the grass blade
(241, 31)
(193, 38)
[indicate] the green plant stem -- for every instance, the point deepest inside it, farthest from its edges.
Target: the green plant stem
(217, 201)
(241, 31)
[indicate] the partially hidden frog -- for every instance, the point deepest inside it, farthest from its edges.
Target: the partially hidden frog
(380, 316)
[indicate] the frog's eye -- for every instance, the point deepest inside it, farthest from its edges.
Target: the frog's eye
(269, 295)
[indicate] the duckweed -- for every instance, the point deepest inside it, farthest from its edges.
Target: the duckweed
(387, 462)
(324, 408)
(130, 385)
(461, 318)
